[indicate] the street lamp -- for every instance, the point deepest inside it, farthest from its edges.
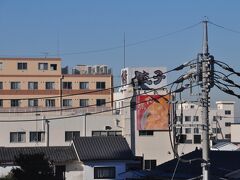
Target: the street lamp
(85, 123)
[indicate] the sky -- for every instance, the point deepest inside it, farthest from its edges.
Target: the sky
(157, 32)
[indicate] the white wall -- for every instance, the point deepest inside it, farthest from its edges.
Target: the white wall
(89, 168)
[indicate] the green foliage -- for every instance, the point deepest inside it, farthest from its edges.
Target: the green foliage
(32, 166)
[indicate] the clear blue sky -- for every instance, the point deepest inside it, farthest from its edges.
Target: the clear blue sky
(30, 28)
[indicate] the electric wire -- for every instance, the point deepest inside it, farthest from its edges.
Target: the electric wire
(225, 28)
(107, 89)
(79, 115)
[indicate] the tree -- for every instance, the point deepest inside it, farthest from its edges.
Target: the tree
(32, 166)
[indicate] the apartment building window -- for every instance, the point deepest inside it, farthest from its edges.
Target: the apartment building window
(216, 130)
(187, 130)
(17, 137)
(227, 124)
(100, 85)
(1, 103)
(84, 85)
(1, 66)
(104, 172)
(43, 66)
(195, 118)
(32, 85)
(53, 67)
(67, 103)
(50, 102)
(227, 136)
(1, 85)
(150, 164)
(106, 133)
(196, 131)
(22, 66)
(32, 102)
(50, 85)
(15, 102)
(227, 112)
(37, 136)
(15, 85)
(100, 102)
(145, 133)
(84, 102)
(70, 135)
(178, 118)
(187, 118)
(67, 85)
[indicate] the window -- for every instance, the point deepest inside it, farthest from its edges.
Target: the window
(15, 85)
(145, 133)
(67, 85)
(104, 172)
(178, 118)
(1, 103)
(1, 85)
(195, 118)
(196, 131)
(49, 85)
(32, 102)
(150, 164)
(32, 85)
(227, 124)
(227, 136)
(43, 66)
(100, 85)
(192, 106)
(188, 130)
(216, 130)
(84, 102)
(1, 66)
(22, 66)
(106, 133)
(50, 102)
(178, 130)
(227, 112)
(84, 85)
(187, 118)
(100, 102)
(70, 135)
(15, 102)
(197, 139)
(37, 136)
(67, 102)
(16, 137)
(53, 67)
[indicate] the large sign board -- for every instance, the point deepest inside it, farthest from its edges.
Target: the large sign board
(152, 112)
(147, 77)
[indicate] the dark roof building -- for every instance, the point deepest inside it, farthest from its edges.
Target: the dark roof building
(56, 154)
(222, 164)
(103, 148)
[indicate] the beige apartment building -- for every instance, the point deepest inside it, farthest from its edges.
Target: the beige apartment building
(41, 83)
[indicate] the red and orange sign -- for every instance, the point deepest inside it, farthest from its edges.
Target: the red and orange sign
(152, 112)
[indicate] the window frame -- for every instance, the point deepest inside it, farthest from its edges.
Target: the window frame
(70, 135)
(83, 102)
(32, 85)
(50, 85)
(84, 85)
(22, 66)
(42, 66)
(100, 85)
(32, 102)
(111, 172)
(50, 102)
(67, 103)
(15, 85)
(19, 138)
(15, 102)
(40, 136)
(100, 102)
(67, 85)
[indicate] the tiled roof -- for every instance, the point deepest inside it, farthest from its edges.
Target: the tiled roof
(103, 148)
(222, 163)
(53, 153)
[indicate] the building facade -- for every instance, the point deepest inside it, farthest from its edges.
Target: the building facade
(41, 83)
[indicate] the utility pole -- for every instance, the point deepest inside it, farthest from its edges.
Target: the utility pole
(205, 105)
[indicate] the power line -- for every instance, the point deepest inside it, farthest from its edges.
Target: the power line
(225, 28)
